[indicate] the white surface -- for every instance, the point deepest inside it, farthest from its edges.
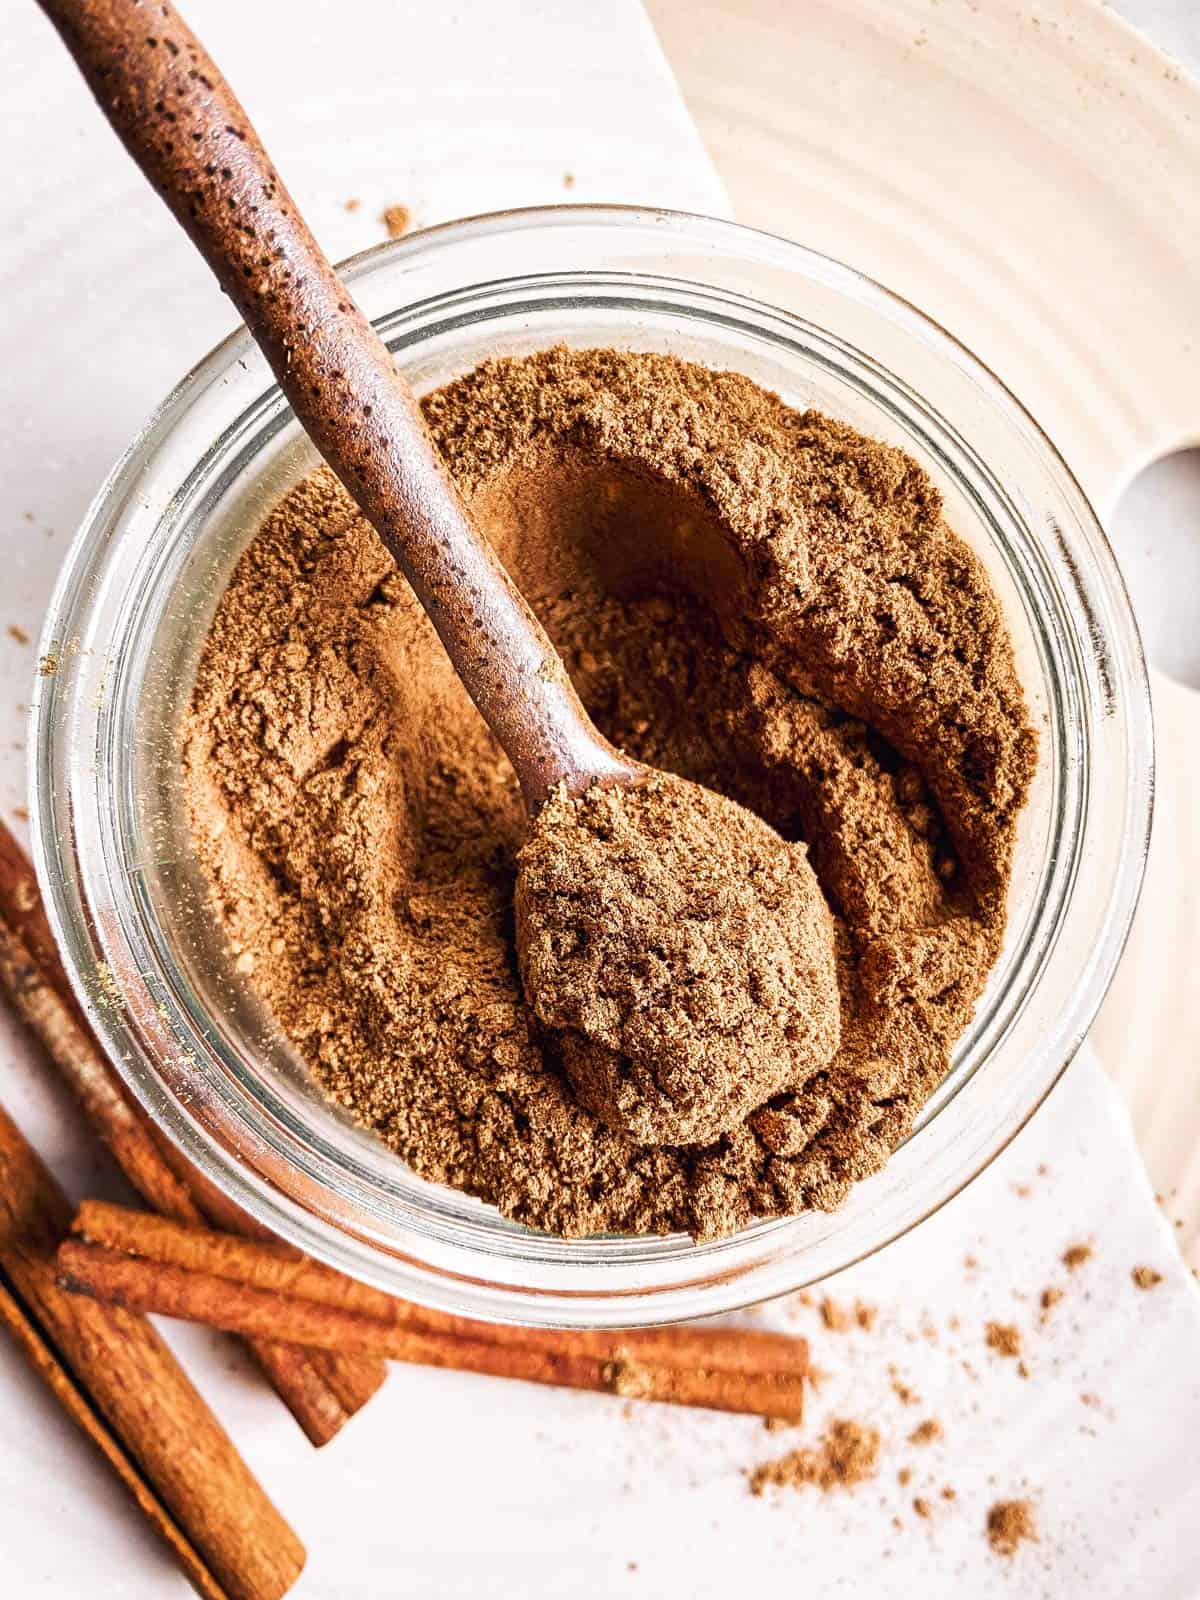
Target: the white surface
(454, 1486)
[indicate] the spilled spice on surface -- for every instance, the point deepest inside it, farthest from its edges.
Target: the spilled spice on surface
(833, 1316)
(847, 1455)
(1075, 1256)
(397, 220)
(756, 599)
(1146, 1277)
(927, 1432)
(1010, 1524)
(903, 1391)
(1004, 1338)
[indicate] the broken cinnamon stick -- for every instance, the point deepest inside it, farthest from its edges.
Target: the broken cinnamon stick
(131, 1258)
(321, 1391)
(161, 1436)
(79, 1408)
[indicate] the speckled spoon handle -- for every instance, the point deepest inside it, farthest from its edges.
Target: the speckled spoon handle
(184, 127)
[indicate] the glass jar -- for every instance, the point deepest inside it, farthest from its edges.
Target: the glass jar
(144, 576)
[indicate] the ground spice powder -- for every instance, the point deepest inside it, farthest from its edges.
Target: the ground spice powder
(1004, 1338)
(847, 1455)
(680, 952)
(1010, 1523)
(756, 599)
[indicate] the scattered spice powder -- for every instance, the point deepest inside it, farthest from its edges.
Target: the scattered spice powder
(1146, 1277)
(1075, 1256)
(904, 1477)
(568, 180)
(835, 1317)
(847, 1456)
(904, 1392)
(352, 205)
(949, 1493)
(1009, 1524)
(396, 219)
(1050, 1298)
(21, 813)
(927, 1432)
(15, 631)
(756, 599)
(922, 1507)
(865, 1315)
(1004, 1338)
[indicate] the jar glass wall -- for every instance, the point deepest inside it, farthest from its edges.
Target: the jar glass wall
(147, 570)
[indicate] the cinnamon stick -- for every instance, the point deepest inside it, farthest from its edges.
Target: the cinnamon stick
(131, 1258)
(79, 1408)
(321, 1391)
(281, 1269)
(162, 1438)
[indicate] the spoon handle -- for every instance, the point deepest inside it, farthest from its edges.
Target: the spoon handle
(185, 128)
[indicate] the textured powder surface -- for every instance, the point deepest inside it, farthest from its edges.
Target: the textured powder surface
(1003, 1338)
(756, 599)
(927, 1432)
(847, 1456)
(681, 952)
(1010, 1523)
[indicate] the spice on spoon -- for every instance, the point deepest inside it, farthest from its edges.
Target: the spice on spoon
(681, 953)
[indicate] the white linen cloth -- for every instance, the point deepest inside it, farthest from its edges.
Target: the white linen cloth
(450, 1485)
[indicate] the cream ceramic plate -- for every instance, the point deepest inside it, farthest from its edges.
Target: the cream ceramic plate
(1057, 234)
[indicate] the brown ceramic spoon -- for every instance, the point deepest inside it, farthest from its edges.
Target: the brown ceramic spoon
(184, 127)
